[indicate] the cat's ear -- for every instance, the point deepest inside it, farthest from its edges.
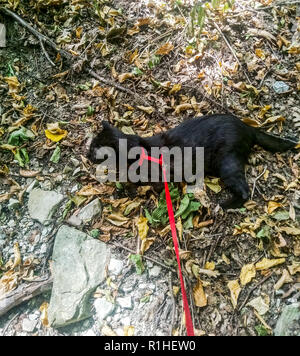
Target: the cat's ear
(106, 125)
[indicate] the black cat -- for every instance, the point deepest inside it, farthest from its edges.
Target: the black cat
(227, 143)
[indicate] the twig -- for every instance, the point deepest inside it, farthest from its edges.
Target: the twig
(69, 57)
(46, 53)
(9, 323)
(146, 257)
(253, 289)
(231, 49)
(255, 181)
(23, 293)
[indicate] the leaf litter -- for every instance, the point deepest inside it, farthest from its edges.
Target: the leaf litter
(172, 54)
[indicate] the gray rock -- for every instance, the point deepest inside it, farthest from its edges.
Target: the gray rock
(115, 266)
(155, 271)
(280, 87)
(288, 323)
(78, 268)
(29, 325)
(125, 302)
(103, 308)
(87, 213)
(42, 204)
(13, 204)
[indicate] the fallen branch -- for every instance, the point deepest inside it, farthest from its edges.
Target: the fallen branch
(24, 293)
(45, 40)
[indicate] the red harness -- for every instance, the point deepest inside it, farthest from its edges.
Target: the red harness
(160, 161)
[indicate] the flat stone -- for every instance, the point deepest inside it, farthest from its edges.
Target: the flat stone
(78, 268)
(42, 204)
(125, 302)
(288, 323)
(155, 271)
(103, 308)
(29, 325)
(87, 213)
(115, 266)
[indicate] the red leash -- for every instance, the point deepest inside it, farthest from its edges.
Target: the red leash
(188, 318)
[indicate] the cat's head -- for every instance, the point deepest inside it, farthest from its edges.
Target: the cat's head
(108, 137)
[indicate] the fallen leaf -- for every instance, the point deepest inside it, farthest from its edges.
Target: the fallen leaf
(266, 263)
(199, 295)
(148, 109)
(272, 206)
(165, 49)
(55, 133)
(143, 227)
(44, 314)
(248, 272)
(125, 76)
(128, 330)
(235, 290)
(261, 305)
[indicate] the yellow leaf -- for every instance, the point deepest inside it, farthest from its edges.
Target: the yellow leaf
(8, 282)
(165, 49)
(125, 76)
(55, 133)
(78, 32)
(294, 268)
(13, 84)
(225, 259)
(260, 53)
(266, 263)
(17, 256)
(235, 290)
(248, 272)
(290, 230)
(272, 206)
(213, 184)
(199, 295)
(183, 107)
(44, 314)
(133, 30)
(143, 227)
(128, 330)
(175, 88)
(210, 265)
(148, 109)
(146, 243)
(298, 146)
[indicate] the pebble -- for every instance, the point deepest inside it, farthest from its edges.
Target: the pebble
(280, 87)
(155, 271)
(115, 266)
(125, 302)
(29, 325)
(103, 308)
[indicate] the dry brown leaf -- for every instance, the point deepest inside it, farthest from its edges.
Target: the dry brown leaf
(44, 314)
(199, 295)
(148, 109)
(28, 174)
(143, 227)
(125, 76)
(165, 49)
(235, 290)
(290, 230)
(89, 190)
(272, 206)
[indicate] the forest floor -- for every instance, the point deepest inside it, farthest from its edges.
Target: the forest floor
(146, 66)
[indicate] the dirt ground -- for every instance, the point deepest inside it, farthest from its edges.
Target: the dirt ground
(158, 63)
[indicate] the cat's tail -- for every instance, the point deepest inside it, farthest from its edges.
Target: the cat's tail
(274, 143)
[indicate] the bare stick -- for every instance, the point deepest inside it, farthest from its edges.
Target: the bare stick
(46, 53)
(24, 293)
(69, 57)
(255, 181)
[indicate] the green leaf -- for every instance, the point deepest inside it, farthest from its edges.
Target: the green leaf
(137, 71)
(18, 137)
(264, 233)
(261, 330)
(68, 207)
(189, 222)
(183, 206)
(90, 111)
(281, 215)
(154, 61)
(95, 233)
(137, 260)
(193, 206)
(22, 157)
(55, 155)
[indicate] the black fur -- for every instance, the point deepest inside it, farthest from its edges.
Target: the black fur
(227, 143)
